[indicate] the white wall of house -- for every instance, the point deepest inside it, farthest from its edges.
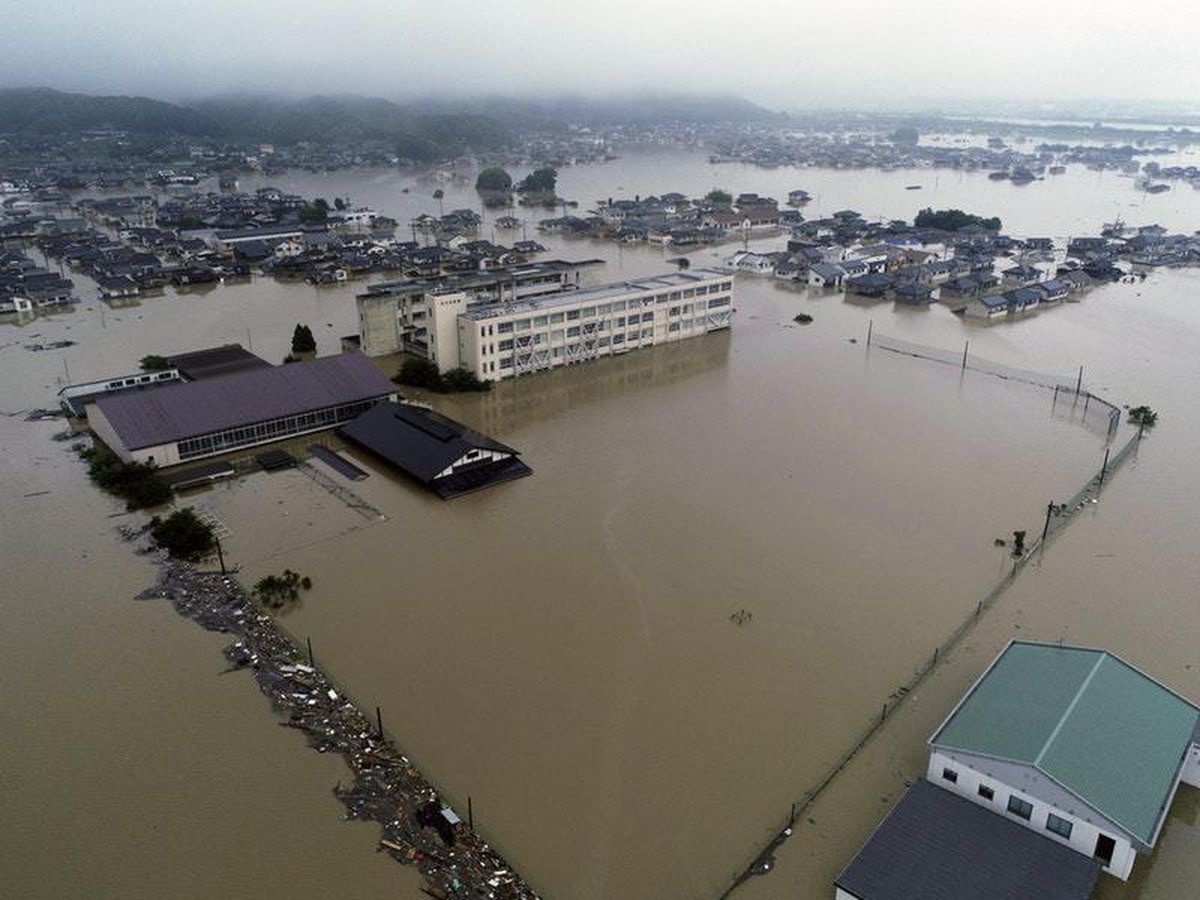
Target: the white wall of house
(472, 457)
(1191, 767)
(840, 894)
(1083, 833)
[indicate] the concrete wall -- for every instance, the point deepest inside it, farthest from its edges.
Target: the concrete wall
(1083, 833)
(377, 325)
(1191, 767)
(444, 310)
(839, 894)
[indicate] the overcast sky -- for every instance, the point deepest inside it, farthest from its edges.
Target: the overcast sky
(781, 53)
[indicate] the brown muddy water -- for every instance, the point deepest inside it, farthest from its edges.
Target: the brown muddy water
(560, 648)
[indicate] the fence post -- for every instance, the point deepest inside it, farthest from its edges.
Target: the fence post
(1046, 527)
(1079, 383)
(1103, 468)
(870, 326)
(1087, 398)
(966, 346)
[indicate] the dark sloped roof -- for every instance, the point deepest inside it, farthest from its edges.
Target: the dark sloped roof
(175, 412)
(419, 441)
(214, 361)
(936, 845)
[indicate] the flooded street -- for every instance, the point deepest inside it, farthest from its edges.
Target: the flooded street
(561, 649)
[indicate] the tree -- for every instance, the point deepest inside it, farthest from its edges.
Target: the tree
(417, 372)
(153, 363)
(718, 197)
(438, 195)
(493, 179)
(303, 340)
(315, 213)
(182, 534)
(906, 134)
(137, 484)
(460, 380)
(1144, 416)
(953, 220)
(339, 204)
(539, 181)
(278, 591)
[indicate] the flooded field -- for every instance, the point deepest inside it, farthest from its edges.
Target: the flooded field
(560, 649)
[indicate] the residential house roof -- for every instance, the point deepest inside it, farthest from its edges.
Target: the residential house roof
(936, 845)
(1103, 730)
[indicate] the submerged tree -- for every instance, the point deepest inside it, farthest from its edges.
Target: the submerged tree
(303, 340)
(719, 197)
(1143, 416)
(277, 591)
(183, 535)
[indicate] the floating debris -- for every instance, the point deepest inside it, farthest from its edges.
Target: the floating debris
(418, 827)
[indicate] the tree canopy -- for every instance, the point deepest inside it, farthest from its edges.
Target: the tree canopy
(539, 181)
(493, 179)
(953, 220)
(182, 534)
(906, 134)
(719, 197)
(303, 340)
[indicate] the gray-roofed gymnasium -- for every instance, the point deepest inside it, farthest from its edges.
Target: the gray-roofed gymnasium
(178, 422)
(936, 845)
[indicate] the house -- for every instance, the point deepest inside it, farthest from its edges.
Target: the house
(1022, 300)
(790, 270)
(116, 288)
(1074, 744)
(1053, 291)
(935, 845)
(826, 275)
(873, 284)
(912, 293)
(749, 261)
(288, 248)
(987, 306)
(1022, 275)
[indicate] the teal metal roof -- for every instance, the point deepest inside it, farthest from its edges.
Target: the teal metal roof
(1103, 730)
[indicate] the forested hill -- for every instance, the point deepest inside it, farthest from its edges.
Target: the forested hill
(425, 129)
(46, 111)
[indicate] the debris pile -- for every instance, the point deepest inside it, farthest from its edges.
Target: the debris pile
(418, 828)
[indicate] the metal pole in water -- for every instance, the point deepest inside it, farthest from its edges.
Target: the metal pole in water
(379, 721)
(310, 653)
(220, 555)
(1086, 400)
(966, 347)
(1104, 468)
(1046, 527)
(1079, 383)
(470, 814)
(870, 326)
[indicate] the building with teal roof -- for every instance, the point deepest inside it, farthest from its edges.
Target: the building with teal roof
(1074, 743)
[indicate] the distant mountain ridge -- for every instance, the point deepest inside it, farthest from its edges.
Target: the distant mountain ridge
(424, 129)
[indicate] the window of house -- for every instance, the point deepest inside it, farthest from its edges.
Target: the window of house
(1020, 808)
(572, 314)
(648, 317)
(573, 331)
(556, 318)
(504, 328)
(986, 792)
(1058, 825)
(950, 775)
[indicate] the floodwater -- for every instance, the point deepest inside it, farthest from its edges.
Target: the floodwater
(561, 648)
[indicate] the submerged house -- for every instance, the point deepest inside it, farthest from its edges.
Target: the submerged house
(1073, 743)
(1060, 762)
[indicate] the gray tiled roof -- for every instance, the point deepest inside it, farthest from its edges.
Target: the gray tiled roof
(936, 845)
(174, 412)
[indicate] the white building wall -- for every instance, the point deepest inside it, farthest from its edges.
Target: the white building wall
(1191, 767)
(1083, 833)
(840, 894)
(590, 327)
(444, 310)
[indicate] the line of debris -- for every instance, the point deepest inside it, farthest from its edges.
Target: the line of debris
(418, 828)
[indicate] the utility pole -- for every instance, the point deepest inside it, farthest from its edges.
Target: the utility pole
(1046, 527)
(220, 555)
